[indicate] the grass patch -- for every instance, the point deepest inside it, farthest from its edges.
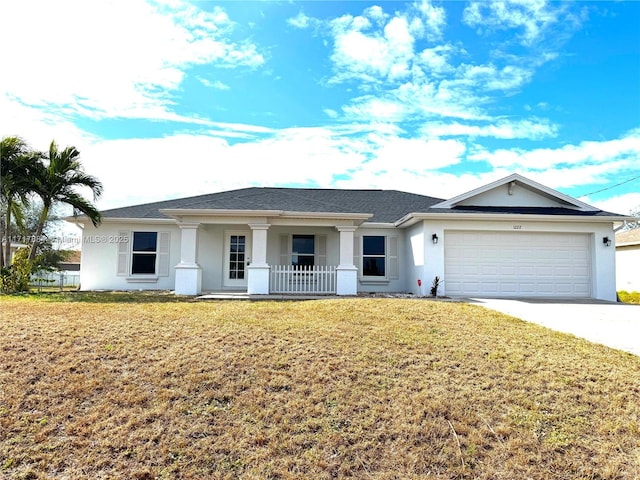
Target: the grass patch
(629, 297)
(145, 296)
(336, 388)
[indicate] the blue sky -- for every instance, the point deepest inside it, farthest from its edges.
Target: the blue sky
(176, 98)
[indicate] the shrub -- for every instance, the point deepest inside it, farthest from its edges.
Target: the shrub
(434, 286)
(15, 278)
(629, 297)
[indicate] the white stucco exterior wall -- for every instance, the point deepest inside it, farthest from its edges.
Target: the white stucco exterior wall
(99, 262)
(628, 268)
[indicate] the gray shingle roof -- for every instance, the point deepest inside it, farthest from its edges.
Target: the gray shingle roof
(387, 206)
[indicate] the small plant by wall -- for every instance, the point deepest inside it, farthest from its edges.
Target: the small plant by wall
(434, 286)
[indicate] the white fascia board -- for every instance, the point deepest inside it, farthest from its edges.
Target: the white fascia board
(413, 218)
(378, 225)
(514, 177)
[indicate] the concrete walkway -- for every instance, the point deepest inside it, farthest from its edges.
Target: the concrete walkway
(616, 325)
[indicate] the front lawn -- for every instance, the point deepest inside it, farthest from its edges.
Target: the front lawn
(335, 388)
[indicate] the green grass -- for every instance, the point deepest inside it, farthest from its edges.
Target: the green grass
(629, 297)
(336, 388)
(147, 296)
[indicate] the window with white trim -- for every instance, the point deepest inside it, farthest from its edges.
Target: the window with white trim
(144, 253)
(303, 250)
(373, 256)
(376, 257)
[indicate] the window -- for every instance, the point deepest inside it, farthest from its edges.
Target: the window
(143, 258)
(373, 256)
(303, 250)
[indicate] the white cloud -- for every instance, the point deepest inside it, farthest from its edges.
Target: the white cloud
(434, 18)
(436, 61)
(299, 21)
(376, 109)
(329, 112)
(39, 127)
(142, 170)
(106, 59)
(623, 204)
(532, 18)
(389, 57)
(217, 84)
(429, 182)
(369, 54)
(624, 151)
(507, 129)
(395, 154)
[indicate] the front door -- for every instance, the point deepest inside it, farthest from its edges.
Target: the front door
(237, 259)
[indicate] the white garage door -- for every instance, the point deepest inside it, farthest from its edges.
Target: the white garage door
(510, 264)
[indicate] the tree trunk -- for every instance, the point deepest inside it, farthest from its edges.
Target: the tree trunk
(36, 240)
(6, 260)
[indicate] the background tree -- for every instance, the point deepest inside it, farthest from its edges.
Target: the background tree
(17, 165)
(48, 251)
(57, 181)
(630, 225)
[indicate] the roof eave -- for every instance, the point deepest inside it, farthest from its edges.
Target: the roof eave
(412, 218)
(628, 244)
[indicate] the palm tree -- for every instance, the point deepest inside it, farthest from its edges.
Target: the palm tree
(17, 164)
(57, 181)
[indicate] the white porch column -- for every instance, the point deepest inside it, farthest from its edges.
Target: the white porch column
(188, 272)
(258, 270)
(346, 272)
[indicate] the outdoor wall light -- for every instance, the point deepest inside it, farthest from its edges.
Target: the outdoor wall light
(434, 238)
(606, 241)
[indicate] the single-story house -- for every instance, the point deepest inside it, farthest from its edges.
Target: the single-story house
(512, 237)
(628, 260)
(71, 262)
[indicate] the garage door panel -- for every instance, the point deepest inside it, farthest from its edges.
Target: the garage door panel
(582, 290)
(563, 271)
(517, 264)
(545, 288)
(507, 270)
(581, 271)
(544, 270)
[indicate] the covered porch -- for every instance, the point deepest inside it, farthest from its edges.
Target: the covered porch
(274, 253)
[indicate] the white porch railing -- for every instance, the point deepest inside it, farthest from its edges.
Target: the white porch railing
(303, 279)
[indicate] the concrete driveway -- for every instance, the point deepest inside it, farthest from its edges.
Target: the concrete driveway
(616, 325)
